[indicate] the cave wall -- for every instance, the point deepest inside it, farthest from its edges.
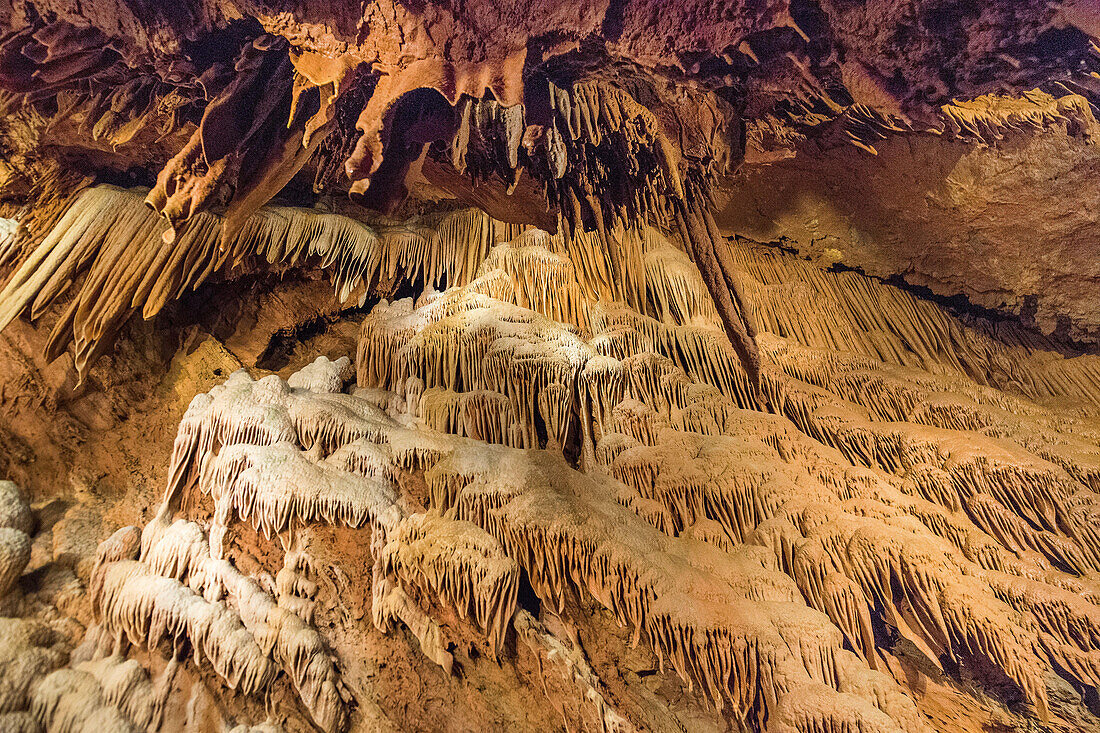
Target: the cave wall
(1010, 225)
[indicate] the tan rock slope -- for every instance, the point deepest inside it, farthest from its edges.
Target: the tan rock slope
(909, 523)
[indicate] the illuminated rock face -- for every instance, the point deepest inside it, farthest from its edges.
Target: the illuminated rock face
(562, 442)
(463, 397)
(541, 114)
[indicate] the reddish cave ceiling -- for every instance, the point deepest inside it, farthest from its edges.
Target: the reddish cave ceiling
(227, 104)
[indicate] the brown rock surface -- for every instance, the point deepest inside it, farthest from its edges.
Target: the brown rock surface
(1010, 225)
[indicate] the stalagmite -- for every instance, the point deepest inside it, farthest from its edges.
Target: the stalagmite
(323, 375)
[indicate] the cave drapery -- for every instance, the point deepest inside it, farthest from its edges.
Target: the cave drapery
(620, 366)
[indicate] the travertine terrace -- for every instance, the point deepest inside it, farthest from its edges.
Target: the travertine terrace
(528, 366)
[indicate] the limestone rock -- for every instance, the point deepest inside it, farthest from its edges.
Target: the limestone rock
(14, 510)
(19, 722)
(15, 552)
(29, 650)
(324, 375)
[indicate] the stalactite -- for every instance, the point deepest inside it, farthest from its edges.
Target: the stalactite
(267, 412)
(839, 609)
(391, 602)
(698, 230)
(295, 589)
(852, 313)
(277, 488)
(573, 667)
(458, 564)
(605, 571)
(538, 279)
(254, 136)
(110, 234)
(52, 193)
(148, 609)
(479, 414)
(126, 685)
(991, 117)
(492, 346)
(114, 243)
(68, 701)
(179, 551)
(124, 544)
(606, 167)
(749, 551)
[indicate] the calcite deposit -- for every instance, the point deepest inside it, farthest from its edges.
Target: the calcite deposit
(625, 366)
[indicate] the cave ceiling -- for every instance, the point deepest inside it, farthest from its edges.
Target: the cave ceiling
(226, 105)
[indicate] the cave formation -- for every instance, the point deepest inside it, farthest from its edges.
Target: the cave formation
(620, 366)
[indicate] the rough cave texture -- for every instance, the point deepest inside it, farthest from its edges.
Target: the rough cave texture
(625, 366)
